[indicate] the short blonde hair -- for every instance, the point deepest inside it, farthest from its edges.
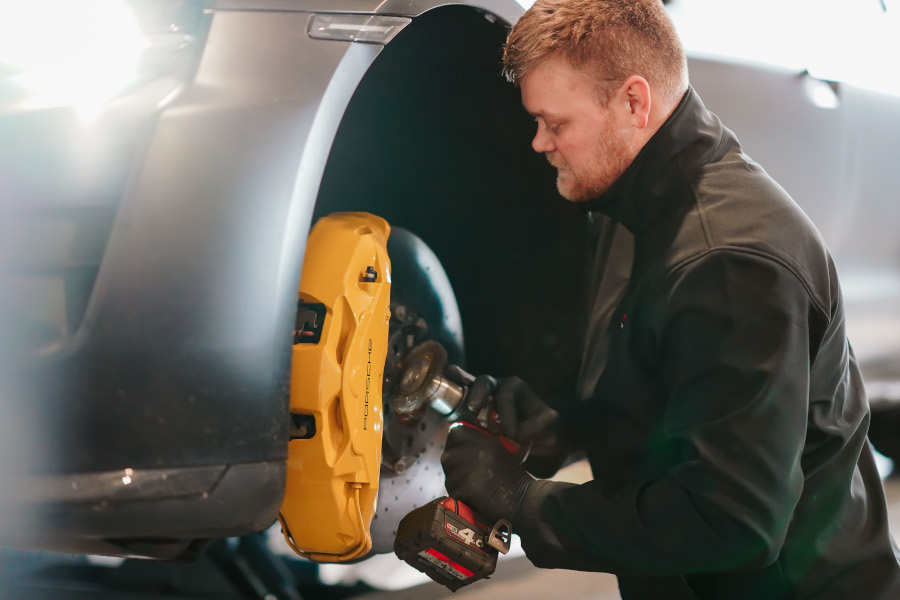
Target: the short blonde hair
(614, 39)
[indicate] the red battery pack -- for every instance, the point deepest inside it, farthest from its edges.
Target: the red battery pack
(448, 542)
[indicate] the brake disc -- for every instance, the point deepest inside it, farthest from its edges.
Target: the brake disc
(423, 307)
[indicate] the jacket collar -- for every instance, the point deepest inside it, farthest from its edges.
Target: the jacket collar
(652, 186)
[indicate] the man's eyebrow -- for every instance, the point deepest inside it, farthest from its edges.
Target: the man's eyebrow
(541, 114)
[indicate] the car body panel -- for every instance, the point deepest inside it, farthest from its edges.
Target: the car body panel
(157, 412)
(507, 10)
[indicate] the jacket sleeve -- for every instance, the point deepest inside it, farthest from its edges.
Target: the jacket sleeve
(730, 333)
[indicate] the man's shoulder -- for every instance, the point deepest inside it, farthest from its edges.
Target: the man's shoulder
(738, 208)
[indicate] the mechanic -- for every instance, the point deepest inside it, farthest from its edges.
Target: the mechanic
(718, 403)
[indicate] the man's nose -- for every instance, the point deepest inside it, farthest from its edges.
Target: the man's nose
(542, 142)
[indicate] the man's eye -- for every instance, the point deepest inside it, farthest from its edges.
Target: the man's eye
(553, 127)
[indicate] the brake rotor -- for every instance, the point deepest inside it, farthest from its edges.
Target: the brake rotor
(423, 308)
(411, 473)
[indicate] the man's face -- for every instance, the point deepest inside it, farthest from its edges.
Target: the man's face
(586, 142)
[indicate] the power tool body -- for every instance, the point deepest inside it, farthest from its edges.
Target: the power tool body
(451, 544)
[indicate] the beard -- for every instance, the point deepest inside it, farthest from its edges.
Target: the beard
(610, 158)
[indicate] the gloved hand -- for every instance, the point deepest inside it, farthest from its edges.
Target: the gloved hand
(523, 416)
(481, 389)
(528, 420)
(483, 474)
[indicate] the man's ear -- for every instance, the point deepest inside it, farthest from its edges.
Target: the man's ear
(637, 93)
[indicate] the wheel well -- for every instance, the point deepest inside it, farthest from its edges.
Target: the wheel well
(436, 141)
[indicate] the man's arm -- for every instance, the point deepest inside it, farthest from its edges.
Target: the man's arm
(733, 348)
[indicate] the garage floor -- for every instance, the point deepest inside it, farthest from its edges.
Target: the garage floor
(517, 579)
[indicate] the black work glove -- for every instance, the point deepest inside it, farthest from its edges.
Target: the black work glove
(529, 421)
(481, 390)
(524, 417)
(483, 474)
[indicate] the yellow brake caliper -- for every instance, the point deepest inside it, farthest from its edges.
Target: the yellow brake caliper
(334, 454)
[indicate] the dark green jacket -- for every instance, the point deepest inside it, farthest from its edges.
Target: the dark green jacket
(722, 410)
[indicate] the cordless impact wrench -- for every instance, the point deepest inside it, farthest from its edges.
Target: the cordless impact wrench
(445, 539)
